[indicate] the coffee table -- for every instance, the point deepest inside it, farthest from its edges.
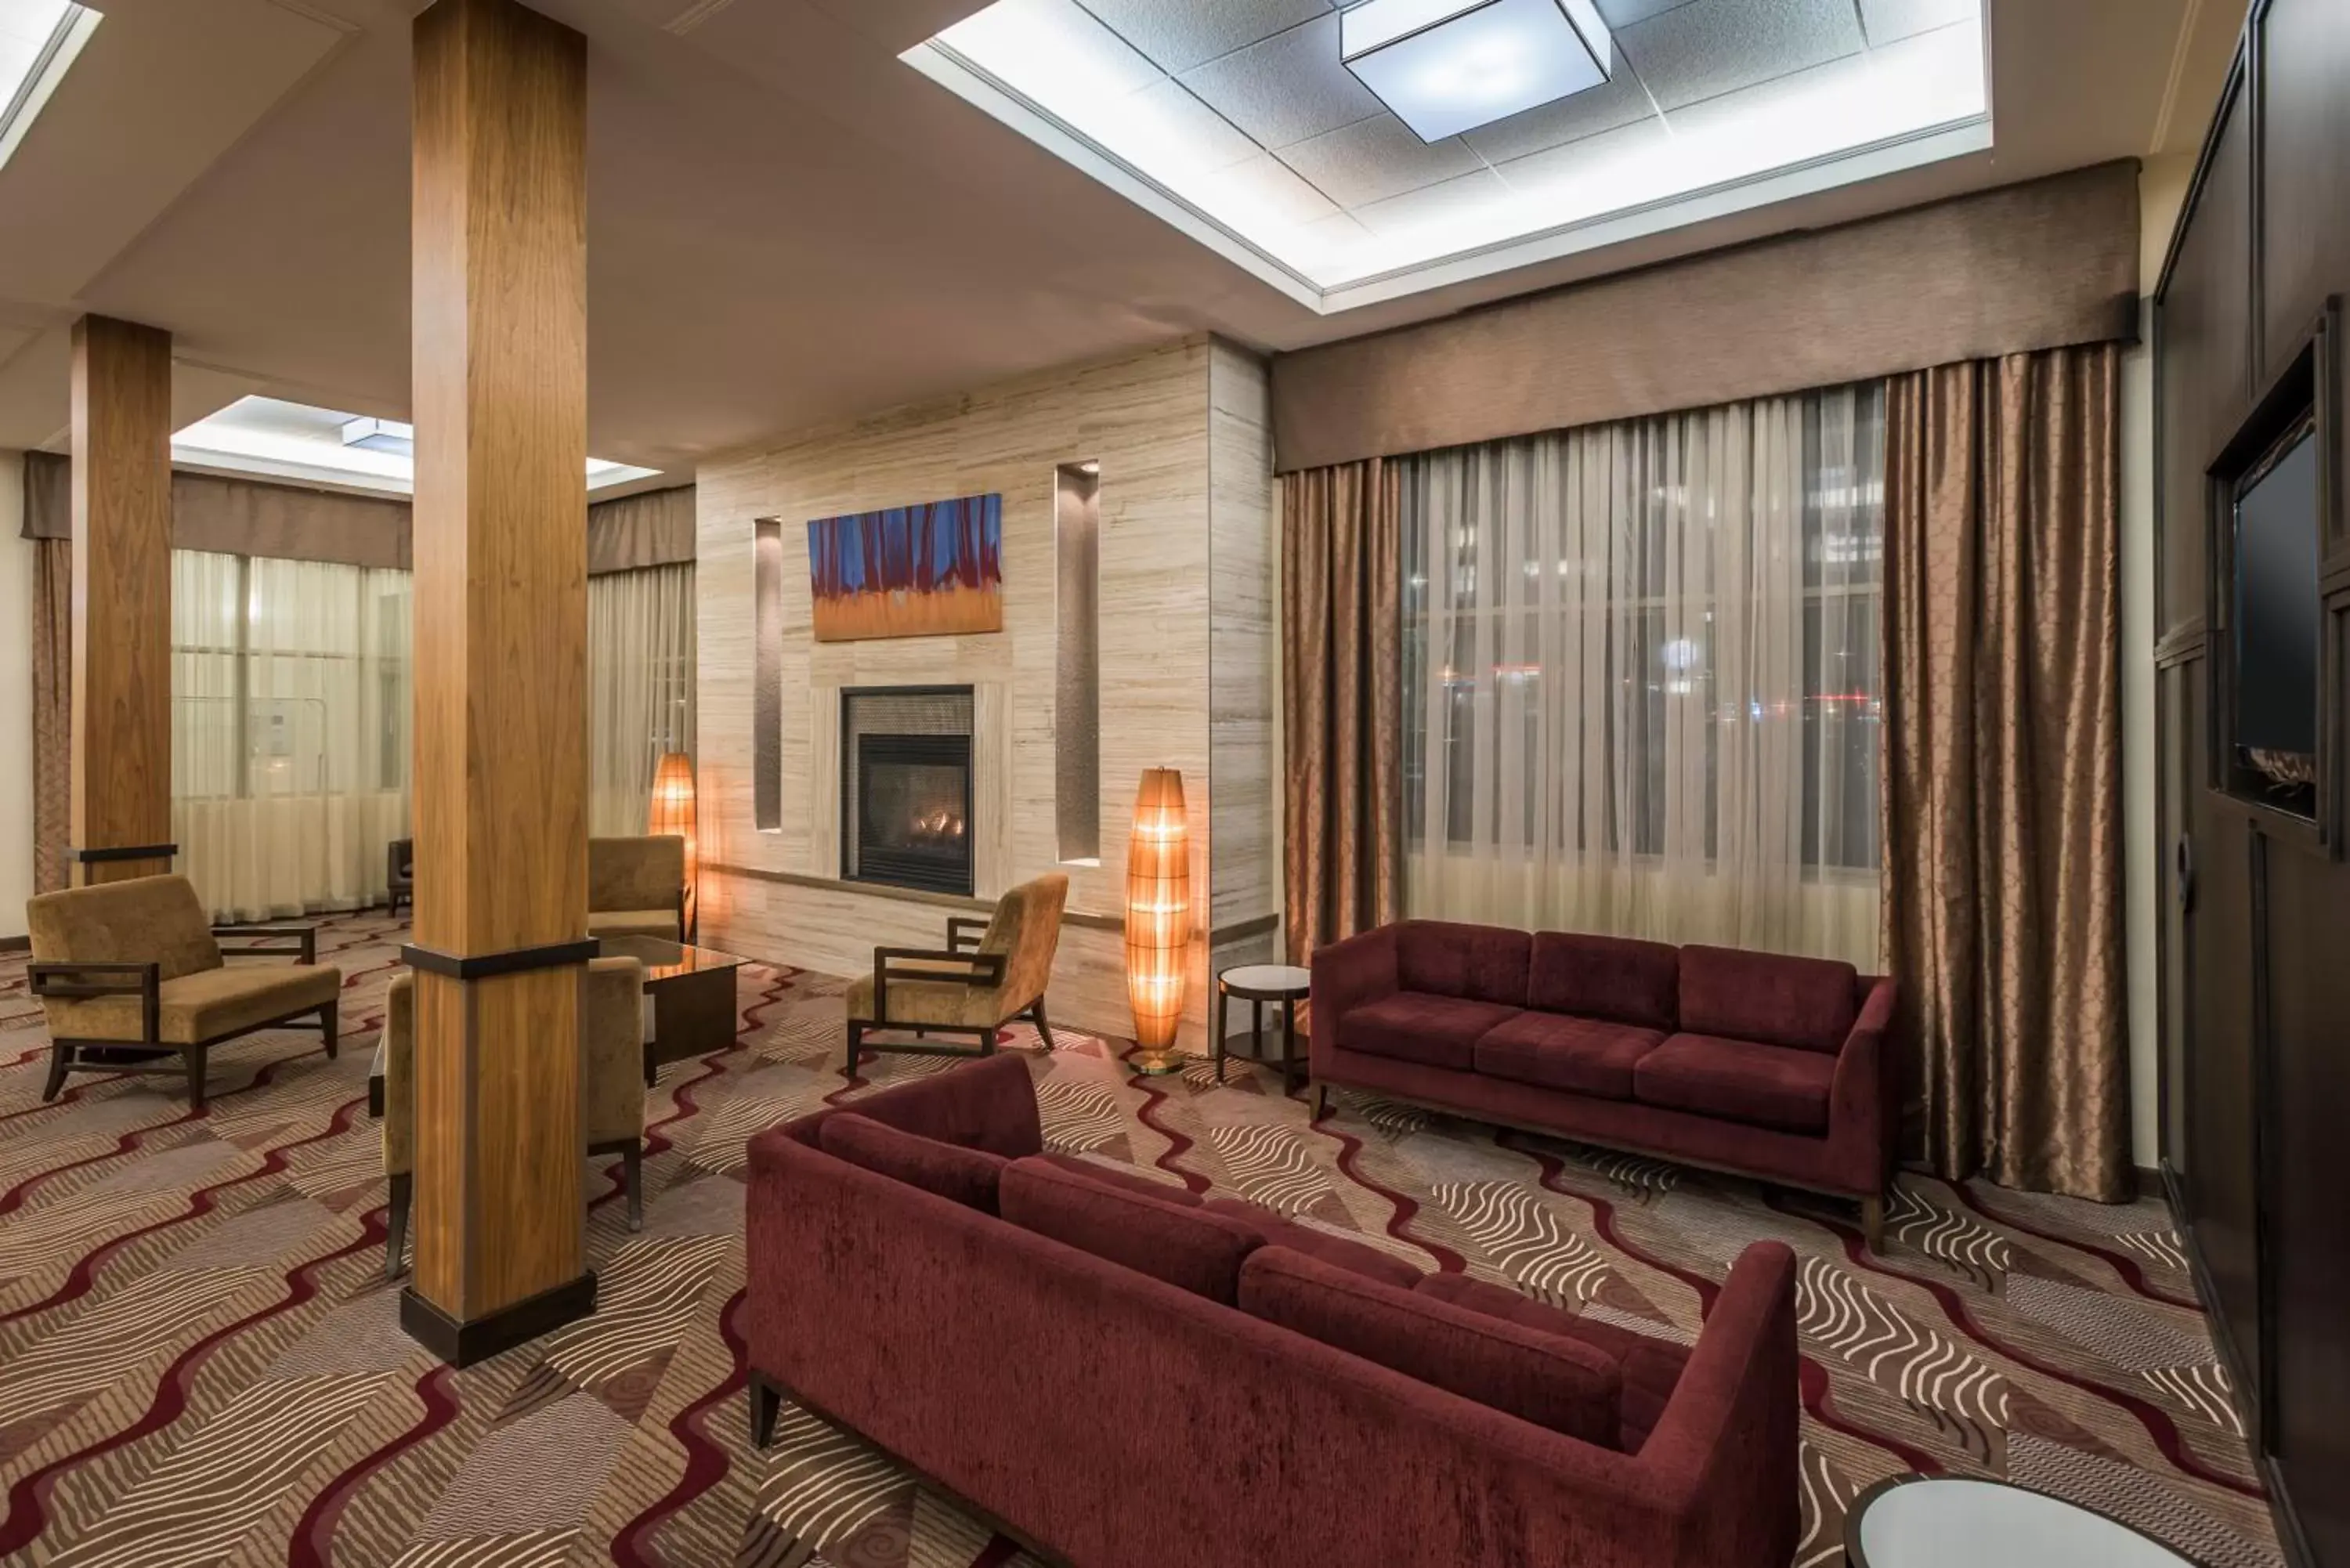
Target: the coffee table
(1954, 1521)
(692, 992)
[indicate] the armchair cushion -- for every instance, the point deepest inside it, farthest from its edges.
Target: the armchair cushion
(1026, 929)
(195, 1008)
(637, 874)
(918, 1002)
(661, 923)
(612, 1051)
(1021, 938)
(148, 919)
(966, 1176)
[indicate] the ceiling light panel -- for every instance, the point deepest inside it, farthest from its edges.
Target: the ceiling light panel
(1392, 145)
(1445, 67)
(38, 42)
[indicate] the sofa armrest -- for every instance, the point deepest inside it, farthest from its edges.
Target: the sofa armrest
(1349, 973)
(299, 943)
(63, 979)
(1864, 1098)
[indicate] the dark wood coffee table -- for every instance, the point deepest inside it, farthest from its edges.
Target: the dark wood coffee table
(692, 993)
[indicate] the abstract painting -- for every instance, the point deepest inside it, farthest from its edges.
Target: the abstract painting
(934, 570)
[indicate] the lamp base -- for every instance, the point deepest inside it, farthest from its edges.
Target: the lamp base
(1155, 1064)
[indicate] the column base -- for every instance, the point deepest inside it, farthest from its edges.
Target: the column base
(464, 1344)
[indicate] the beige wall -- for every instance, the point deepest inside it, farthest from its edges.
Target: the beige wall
(1185, 655)
(16, 701)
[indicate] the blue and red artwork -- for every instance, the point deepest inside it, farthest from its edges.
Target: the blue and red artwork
(935, 570)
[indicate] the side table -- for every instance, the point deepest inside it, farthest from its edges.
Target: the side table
(1257, 984)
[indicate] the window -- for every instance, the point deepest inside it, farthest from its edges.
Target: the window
(1641, 676)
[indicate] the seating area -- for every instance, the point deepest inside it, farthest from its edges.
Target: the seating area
(1090, 783)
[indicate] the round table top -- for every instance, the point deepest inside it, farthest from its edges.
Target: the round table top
(1957, 1522)
(1274, 979)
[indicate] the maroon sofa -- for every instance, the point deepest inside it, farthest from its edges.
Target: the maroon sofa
(1123, 1374)
(1752, 1063)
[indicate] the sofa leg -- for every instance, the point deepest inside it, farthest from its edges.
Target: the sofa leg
(766, 1403)
(195, 1059)
(330, 1028)
(632, 1177)
(395, 1237)
(1320, 1104)
(60, 1060)
(1872, 1222)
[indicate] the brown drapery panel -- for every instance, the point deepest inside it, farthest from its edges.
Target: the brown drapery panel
(295, 523)
(1342, 700)
(2003, 849)
(52, 634)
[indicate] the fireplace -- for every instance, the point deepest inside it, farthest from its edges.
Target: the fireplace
(905, 788)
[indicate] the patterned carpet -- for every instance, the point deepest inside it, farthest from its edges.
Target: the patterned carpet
(200, 1361)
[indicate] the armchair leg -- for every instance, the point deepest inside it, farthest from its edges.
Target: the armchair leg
(1872, 1222)
(60, 1060)
(395, 1240)
(766, 1403)
(1043, 1029)
(632, 1176)
(330, 1029)
(195, 1057)
(856, 1043)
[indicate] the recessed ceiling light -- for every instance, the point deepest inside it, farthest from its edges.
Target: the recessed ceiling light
(380, 435)
(1448, 65)
(276, 440)
(38, 41)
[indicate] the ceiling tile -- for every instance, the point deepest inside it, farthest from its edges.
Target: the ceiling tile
(1472, 197)
(1039, 46)
(1168, 120)
(1287, 89)
(1263, 191)
(1710, 46)
(1180, 34)
(1618, 101)
(1374, 159)
(1624, 13)
(1887, 20)
(1586, 177)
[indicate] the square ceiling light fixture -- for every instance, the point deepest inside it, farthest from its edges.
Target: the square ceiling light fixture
(1448, 65)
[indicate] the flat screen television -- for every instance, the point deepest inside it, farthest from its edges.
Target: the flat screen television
(2277, 622)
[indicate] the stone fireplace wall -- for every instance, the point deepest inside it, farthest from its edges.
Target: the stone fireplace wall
(1187, 664)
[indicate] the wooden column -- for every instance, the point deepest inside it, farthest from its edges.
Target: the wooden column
(121, 758)
(500, 386)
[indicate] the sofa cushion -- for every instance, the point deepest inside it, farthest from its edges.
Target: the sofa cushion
(1548, 1379)
(1338, 1252)
(1188, 1248)
(966, 1176)
(1765, 1086)
(988, 1104)
(1650, 1368)
(1769, 997)
(1579, 1055)
(1614, 978)
(1415, 1026)
(1481, 963)
(1127, 1178)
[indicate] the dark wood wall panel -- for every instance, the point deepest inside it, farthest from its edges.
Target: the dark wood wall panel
(2303, 51)
(2204, 378)
(2222, 1117)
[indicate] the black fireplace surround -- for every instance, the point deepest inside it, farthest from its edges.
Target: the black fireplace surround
(905, 795)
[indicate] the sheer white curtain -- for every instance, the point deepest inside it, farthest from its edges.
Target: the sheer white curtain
(290, 740)
(641, 681)
(1641, 677)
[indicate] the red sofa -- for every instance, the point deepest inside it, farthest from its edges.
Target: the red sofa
(1752, 1063)
(1123, 1374)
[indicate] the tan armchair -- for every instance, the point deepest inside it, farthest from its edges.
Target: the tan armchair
(131, 973)
(988, 973)
(636, 887)
(611, 1086)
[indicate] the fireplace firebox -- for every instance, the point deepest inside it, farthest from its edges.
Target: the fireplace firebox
(905, 795)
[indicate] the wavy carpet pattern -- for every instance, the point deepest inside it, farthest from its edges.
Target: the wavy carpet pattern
(200, 1361)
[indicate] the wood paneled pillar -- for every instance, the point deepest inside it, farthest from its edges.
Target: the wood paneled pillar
(500, 386)
(121, 758)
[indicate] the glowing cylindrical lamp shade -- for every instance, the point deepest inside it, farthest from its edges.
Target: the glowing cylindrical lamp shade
(672, 813)
(1158, 918)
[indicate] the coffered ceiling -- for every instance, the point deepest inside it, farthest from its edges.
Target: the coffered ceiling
(788, 224)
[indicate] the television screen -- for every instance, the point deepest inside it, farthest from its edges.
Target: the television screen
(2277, 610)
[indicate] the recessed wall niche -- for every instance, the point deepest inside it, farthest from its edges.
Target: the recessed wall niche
(767, 675)
(1076, 631)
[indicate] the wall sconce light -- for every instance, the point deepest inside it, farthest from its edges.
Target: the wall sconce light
(1158, 918)
(672, 813)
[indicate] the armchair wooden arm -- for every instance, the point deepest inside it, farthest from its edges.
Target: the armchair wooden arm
(270, 941)
(67, 981)
(978, 970)
(964, 932)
